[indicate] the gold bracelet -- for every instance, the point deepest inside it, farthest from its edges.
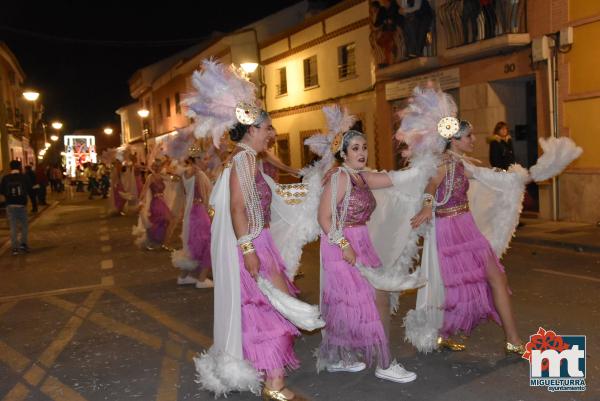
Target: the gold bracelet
(247, 247)
(343, 243)
(427, 200)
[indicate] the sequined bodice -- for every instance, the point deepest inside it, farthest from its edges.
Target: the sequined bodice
(362, 204)
(157, 186)
(459, 188)
(265, 195)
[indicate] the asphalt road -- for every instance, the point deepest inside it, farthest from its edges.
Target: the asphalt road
(87, 316)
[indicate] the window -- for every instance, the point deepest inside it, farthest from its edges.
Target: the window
(282, 86)
(282, 148)
(168, 106)
(310, 72)
(177, 103)
(160, 116)
(346, 61)
(307, 155)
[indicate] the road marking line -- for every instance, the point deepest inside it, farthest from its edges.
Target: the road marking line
(42, 294)
(104, 237)
(106, 248)
(107, 264)
(589, 278)
(13, 358)
(18, 393)
(103, 229)
(108, 281)
(150, 340)
(58, 391)
(60, 342)
(34, 375)
(61, 303)
(163, 318)
(169, 380)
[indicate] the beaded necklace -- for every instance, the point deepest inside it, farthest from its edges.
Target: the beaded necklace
(245, 162)
(336, 232)
(449, 180)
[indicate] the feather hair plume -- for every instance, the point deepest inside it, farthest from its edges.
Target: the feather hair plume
(218, 90)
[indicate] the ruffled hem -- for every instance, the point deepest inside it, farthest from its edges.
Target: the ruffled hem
(199, 236)
(464, 253)
(267, 337)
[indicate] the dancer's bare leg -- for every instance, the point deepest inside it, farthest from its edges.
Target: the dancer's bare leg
(499, 285)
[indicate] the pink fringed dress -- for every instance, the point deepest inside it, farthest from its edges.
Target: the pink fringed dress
(354, 331)
(463, 254)
(199, 232)
(267, 337)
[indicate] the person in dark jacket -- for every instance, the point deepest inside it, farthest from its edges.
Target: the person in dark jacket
(33, 193)
(41, 178)
(502, 154)
(15, 187)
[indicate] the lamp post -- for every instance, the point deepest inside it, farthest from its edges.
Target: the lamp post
(32, 96)
(144, 113)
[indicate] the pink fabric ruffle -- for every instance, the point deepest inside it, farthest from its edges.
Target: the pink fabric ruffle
(267, 337)
(463, 254)
(354, 331)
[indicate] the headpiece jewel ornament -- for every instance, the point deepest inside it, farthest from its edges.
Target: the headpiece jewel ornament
(222, 98)
(448, 127)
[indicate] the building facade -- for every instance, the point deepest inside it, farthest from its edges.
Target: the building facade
(497, 60)
(20, 121)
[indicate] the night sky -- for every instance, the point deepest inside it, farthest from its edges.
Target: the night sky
(80, 54)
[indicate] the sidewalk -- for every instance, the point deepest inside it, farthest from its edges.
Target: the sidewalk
(581, 237)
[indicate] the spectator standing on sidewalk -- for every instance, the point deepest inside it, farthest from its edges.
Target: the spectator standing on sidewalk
(41, 178)
(15, 187)
(33, 192)
(502, 154)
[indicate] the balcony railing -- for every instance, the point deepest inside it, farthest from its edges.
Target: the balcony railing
(468, 21)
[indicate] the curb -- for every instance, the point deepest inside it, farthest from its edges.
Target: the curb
(32, 221)
(558, 244)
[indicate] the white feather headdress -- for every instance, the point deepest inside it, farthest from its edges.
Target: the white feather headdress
(419, 127)
(338, 122)
(220, 91)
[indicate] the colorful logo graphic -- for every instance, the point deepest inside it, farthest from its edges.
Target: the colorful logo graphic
(556, 361)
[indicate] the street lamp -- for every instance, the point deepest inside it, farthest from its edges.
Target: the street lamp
(32, 96)
(108, 131)
(144, 113)
(249, 68)
(57, 125)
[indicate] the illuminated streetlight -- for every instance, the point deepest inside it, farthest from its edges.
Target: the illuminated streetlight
(143, 113)
(47, 145)
(54, 138)
(108, 131)
(57, 125)
(31, 96)
(249, 68)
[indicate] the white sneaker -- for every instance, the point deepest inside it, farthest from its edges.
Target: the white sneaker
(187, 280)
(396, 373)
(342, 366)
(207, 283)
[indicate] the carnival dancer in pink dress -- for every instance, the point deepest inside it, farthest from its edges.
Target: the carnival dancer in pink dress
(117, 187)
(475, 284)
(194, 258)
(356, 314)
(158, 216)
(253, 341)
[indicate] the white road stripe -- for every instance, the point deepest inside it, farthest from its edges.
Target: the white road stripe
(104, 237)
(589, 278)
(106, 248)
(107, 264)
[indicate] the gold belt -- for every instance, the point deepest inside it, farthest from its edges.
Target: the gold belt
(158, 195)
(197, 201)
(452, 211)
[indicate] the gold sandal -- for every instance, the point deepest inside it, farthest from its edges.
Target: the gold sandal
(514, 349)
(275, 395)
(450, 344)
